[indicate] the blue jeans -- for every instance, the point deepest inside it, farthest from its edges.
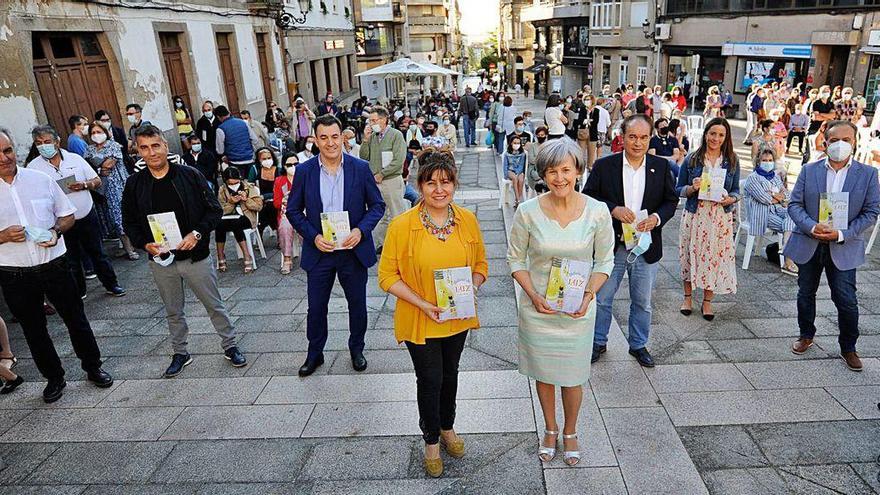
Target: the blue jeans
(641, 283)
(500, 141)
(410, 194)
(843, 294)
(470, 131)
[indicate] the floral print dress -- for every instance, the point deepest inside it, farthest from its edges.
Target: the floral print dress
(112, 185)
(707, 253)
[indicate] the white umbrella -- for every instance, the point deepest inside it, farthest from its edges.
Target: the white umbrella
(407, 67)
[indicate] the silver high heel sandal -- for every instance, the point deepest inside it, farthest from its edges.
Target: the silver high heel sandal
(546, 454)
(571, 457)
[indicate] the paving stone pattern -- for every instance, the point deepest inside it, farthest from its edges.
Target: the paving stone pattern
(728, 409)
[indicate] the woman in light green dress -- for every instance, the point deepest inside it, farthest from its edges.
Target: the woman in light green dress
(554, 347)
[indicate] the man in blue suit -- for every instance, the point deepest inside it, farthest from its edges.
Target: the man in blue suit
(816, 247)
(334, 181)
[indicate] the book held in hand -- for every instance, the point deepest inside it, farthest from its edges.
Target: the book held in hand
(567, 284)
(65, 182)
(834, 210)
(455, 293)
(165, 230)
(630, 234)
(712, 184)
(335, 227)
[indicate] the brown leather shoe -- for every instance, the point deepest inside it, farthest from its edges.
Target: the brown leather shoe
(852, 360)
(801, 345)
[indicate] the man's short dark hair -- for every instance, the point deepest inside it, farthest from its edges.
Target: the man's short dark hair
(134, 106)
(74, 121)
(221, 111)
(632, 119)
(192, 138)
(100, 114)
(837, 123)
(326, 120)
(518, 119)
(148, 131)
(245, 112)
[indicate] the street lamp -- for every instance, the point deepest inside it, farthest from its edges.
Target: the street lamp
(286, 20)
(646, 29)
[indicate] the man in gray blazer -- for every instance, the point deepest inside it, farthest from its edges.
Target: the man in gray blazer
(816, 247)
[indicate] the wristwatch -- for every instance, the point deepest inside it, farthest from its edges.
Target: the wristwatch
(197, 235)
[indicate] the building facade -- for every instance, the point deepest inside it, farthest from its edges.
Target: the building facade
(422, 30)
(516, 37)
(66, 57)
(815, 42)
(581, 42)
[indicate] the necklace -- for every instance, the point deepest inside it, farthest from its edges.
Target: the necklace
(441, 232)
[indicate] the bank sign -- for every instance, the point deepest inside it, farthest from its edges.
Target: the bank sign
(769, 50)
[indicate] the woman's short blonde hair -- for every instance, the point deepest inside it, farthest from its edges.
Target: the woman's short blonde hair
(554, 153)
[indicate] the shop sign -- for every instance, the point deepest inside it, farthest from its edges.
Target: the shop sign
(874, 37)
(328, 44)
(338, 43)
(770, 50)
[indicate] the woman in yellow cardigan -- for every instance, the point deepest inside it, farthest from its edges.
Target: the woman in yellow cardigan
(436, 234)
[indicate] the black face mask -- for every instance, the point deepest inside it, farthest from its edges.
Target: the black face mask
(541, 139)
(663, 131)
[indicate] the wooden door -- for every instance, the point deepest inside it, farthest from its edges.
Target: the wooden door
(262, 53)
(73, 77)
(227, 72)
(172, 55)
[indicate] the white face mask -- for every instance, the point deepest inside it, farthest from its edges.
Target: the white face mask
(178, 104)
(99, 138)
(234, 187)
(197, 148)
(839, 151)
(209, 115)
(376, 128)
(291, 169)
(132, 119)
(106, 125)
(267, 163)
(352, 142)
(514, 147)
(768, 166)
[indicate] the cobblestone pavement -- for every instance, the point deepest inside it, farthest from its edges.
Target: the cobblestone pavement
(728, 409)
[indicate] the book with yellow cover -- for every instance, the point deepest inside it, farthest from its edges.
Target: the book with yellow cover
(455, 293)
(567, 284)
(165, 230)
(335, 227)
(630, 237)
(834, 210)
(712, 184)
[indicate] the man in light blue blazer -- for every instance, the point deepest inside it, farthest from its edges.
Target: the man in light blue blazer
(817, 247)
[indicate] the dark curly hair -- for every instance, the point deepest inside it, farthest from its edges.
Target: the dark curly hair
(433, 160)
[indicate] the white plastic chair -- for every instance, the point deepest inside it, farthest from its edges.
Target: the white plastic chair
(753, 242)
(252, 238)
(695, 138)
(871, 239)
(695, 122)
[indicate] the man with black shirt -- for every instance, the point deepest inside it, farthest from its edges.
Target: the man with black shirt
(202, 159)
(206, 127)
(164, 187)
(519, 131)
(665, 146)
(822, 110)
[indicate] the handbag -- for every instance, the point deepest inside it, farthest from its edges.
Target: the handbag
(490, 138)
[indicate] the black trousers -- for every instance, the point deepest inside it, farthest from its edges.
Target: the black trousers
(268, 216)
(237, 226)
(436, 365)
(24, 290)
(83, 241)
(801, 135)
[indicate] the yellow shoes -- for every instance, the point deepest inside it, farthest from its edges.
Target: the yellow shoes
(454, 448)
(434, 467)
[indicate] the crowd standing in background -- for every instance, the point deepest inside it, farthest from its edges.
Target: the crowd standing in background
(391, 168)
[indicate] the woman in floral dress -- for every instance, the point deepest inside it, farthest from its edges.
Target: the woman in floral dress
(706, 249)
(105, 155)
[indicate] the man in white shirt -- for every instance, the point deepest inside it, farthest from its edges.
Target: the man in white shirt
(84, 238)
(640, 193)
(34, 213)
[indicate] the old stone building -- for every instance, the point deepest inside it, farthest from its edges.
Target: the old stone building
(67, 57)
